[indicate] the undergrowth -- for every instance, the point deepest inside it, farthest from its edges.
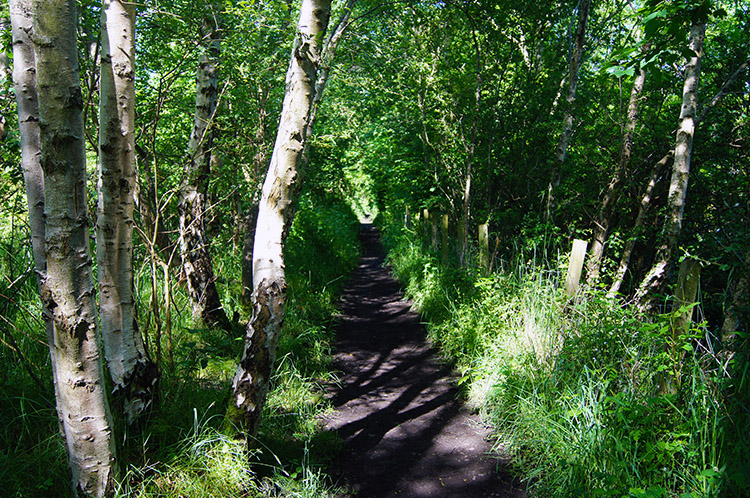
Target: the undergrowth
(575, 387)
(181, 449)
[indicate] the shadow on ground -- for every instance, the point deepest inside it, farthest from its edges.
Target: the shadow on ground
(404, 430)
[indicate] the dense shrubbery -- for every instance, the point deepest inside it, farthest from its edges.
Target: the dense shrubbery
(181, 450)
(576, 387)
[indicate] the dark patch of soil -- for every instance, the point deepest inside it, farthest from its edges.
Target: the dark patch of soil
(405, 431)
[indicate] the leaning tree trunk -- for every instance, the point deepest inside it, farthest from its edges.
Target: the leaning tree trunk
(655, 279)
(656, 173)
(194, 248)
(602, 221)
(275, 214)
(132, 372)
(643, 208)
(561, 152)
(67, 287)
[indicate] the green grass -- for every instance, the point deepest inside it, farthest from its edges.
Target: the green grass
(182, 450)
(574, 387)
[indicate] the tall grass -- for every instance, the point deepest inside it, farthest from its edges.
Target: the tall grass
(574, 387)
(182, 450)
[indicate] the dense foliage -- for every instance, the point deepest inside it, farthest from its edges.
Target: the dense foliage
(573, 386)
(446, 108)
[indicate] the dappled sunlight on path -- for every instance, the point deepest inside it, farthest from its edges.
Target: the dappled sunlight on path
(405, 432)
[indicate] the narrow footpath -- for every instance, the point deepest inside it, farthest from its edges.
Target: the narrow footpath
(404, 430)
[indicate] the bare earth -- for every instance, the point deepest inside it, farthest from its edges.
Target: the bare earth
(405, 431)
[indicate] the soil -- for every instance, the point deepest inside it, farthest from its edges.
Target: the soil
(405, 431)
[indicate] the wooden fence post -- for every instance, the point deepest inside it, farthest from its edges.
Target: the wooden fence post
(434, 225)
(484, 246)
(444, 240)
(577, 256)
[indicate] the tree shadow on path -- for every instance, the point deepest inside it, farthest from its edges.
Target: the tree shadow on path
(404, 430)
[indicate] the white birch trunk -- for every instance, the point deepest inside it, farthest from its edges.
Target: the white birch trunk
(275, 215)
(656, 277)
(194, 249)
(561, 152)
(132, 372)
(68, 287)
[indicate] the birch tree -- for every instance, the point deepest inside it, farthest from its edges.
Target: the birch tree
(250, 384)
(576, 56)
(132, 372)
(196, 259)
(656, 277)
(602, 221)
(67, 285)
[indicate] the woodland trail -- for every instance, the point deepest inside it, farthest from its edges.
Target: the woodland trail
(405, 432)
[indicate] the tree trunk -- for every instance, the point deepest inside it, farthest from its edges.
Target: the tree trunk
(132, 372)
(326, 61)
(67, 287)
(275, 214)
(602, 221)
(656, 173)
(561, 152)
(196, 259)
(627, 252)
(655, 279)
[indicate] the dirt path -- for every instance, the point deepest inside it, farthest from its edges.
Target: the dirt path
(405, 432)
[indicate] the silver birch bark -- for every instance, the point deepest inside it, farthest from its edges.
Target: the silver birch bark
(132, 372)
(24, 84)
(656, 277)
(196, 259)
(250, 383)
(561, 151)
(656, 173)
(67, 287)
(602, 221)
(326, 61)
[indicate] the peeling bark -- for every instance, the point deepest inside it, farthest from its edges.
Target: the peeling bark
(194, 248)
(132, 372)
(67, 286)
(275, 215)
(655, 279)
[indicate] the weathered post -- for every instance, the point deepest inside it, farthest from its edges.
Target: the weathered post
(577, 256)
(407, 218)
(484, 246)
(685, 295)
(462, 245)
(434, 225)
(444, 241)
(688, 280)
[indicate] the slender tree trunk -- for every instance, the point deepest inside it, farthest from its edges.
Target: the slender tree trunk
(326, 61)
(196, 259)
(656, 173)
(67, 287)
(561, 152)
(655, 279)
(250, 383)
(602, 221)
(24, 84)
(466, 211)
(627, 252)
(132, 372)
